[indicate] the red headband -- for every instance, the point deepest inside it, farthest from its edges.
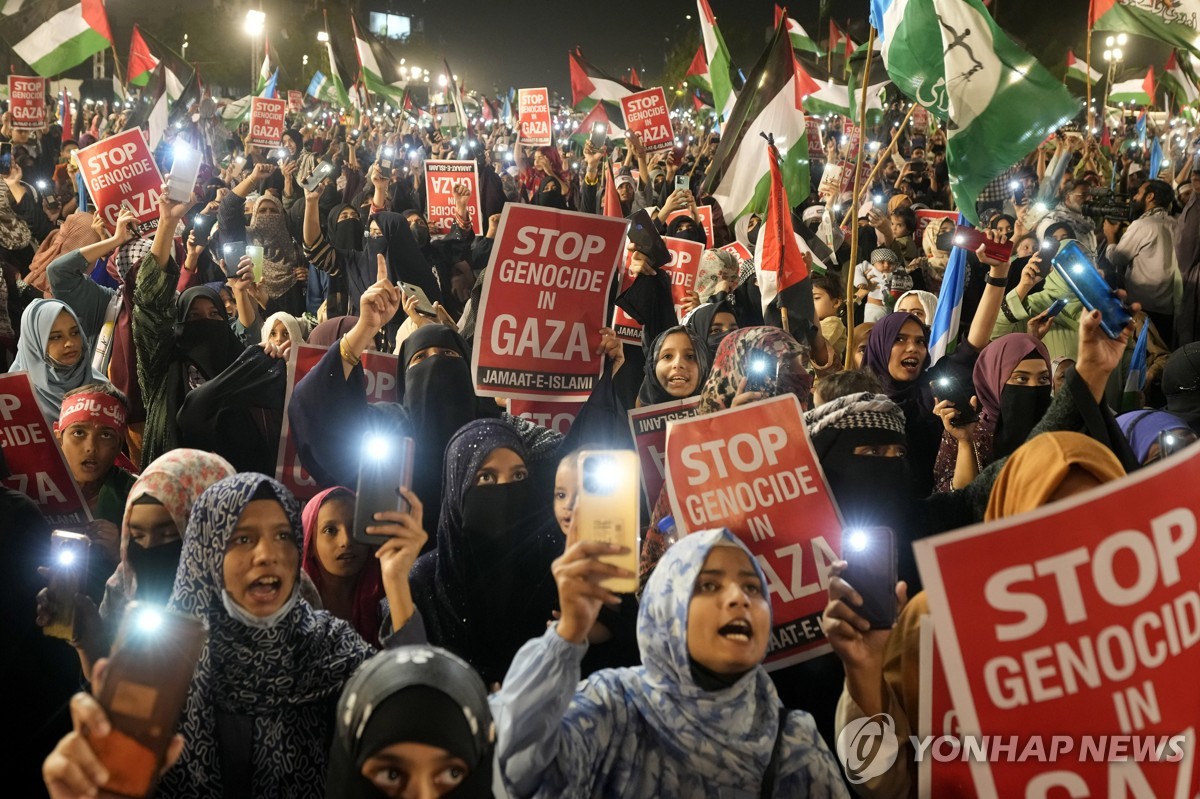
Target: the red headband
(96, 408)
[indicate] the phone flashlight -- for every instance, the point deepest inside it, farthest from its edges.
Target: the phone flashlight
(857, 541)
(239, 160)
(389, 151)
(601, 474)
(196, 220)
(42, 185)
(944, 382)
(281, 153)
(66, 557)
(1039, 207)
(959, 241)
(377, 447)
(149, 620)
(1048, 244)
(878, 199)
(1014, 185)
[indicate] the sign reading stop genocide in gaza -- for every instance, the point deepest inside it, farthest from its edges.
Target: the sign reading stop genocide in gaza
(440, 179)
(534, 114)
(544, 302)
(647, 115)
(26, 102)
(120, 170)
(266, 121)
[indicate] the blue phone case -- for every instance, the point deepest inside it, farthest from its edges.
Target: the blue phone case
(1085, 280)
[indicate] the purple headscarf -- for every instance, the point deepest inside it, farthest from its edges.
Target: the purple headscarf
(879, 353)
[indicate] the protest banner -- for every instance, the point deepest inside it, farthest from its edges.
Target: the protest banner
(851, 140)
(295, 100)
(544, 302)
(927, 215)
(1073, 631)
(35, 463)
(937, 777)
(647, 115)
(832, 179)
(380, 370)
(266, 121)
(535, 125)
(683, 268)
(648, 425)
(440, 179)
(740, 250)
(121, 170)
(816, 147)
(752, 469)
(556, 416)
(704, 212)
(26, 102)
(920, 120)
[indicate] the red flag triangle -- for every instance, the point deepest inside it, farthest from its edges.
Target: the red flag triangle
(612, 200)
(781, 253)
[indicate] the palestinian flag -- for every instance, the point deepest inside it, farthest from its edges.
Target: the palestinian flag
(455, 95)
(265, 71)
(51, 36)
(141, 62)
(601, 112)
(612, 200)
(591, 85)
(146, 52)
(634, 80)
(997, 101)
(1179, 82)
(1170, 21)
(801, 41)
(739, 177)
(379, 68)
(837, 38)
(330, 88)
(1079, 70)
(826, 96)
(151, 110)
(1136, 91)
(781, 266)
(720, 72)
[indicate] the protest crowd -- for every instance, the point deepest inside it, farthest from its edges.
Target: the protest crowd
(621, 443)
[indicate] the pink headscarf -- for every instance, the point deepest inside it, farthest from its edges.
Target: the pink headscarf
(369, 589)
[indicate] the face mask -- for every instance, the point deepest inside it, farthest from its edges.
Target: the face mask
(375, 246)
(348, 234)
(497, 515)
(1021, 408)
(869, 490)
(945, 241)
(421, 234)
(714, 340)
(155, 569)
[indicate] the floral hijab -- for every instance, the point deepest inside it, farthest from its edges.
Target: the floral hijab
(277, 683)
(729, 365)
(281, 256)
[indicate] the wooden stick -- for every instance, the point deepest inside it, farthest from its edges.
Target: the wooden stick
(783, 318)
(862, 121)
(1087, 60)
(879, 162)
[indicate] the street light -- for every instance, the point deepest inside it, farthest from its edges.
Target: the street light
(322, 36)
(1113, 56)
(254, 24)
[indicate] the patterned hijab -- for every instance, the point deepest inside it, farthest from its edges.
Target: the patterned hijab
(279, 683)
(368, 590)
(14, 233)
(281, 256)
(728, 368)
(50, 380)
(76, 232)
(176, 480)
(127, 256)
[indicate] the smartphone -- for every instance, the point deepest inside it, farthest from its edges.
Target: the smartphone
(232, 252)
(608, 508)
(68, 568)
(202, 225)
(968, 238)
(385, 464)
(424, 306)
(647, 240)
(870, 555)
(949, 387)
(255, 252)
(599, 134)
(184, 171)
(144, 691)
(387, 157)
(1055, 308)
(280, 155)
(5, 158)
(762, 373)
(1018, 193)
(1089, 285)
(683, 182)
(322, 171)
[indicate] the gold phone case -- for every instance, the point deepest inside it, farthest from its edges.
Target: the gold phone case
(608, 509)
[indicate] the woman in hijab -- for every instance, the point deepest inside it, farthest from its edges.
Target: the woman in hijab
(16, 240)
(711, 322)
(936, 242)
(544, 180)
(53, 351)
(700, 717)
(413, 722)
(487, 587)
(293, 142)
(282, 328)
(258, 717)
(1048, 468)
(1012, 382)
(676, 366)
(1181, 384)
(1142, 428)
(328, 332)
(343, 570)
(77, 231)
(921, 304)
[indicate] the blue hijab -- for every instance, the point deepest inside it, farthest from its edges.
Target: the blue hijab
(277, 685)
(1142, 429)
(50, 379)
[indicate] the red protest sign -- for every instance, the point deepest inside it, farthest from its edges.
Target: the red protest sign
(121, 169)
(266, 121)
(704, 212)
(556, 416)
(816, 148)
(920, 120)
(1078, 622)
(36, 464)
(295, 100)
(740, 250)
(440, 179)
(628, 329)
(380, 369)
(534, 115)
(752, 469)
(647, 115)
(26, 102)
(544, 302)
(852, 139)
(683, 268)
(649, 427)
(936, 776)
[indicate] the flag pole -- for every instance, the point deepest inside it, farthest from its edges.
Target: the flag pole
(879, 163)
(862, 121)
(117, 66)
(1087, 58)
